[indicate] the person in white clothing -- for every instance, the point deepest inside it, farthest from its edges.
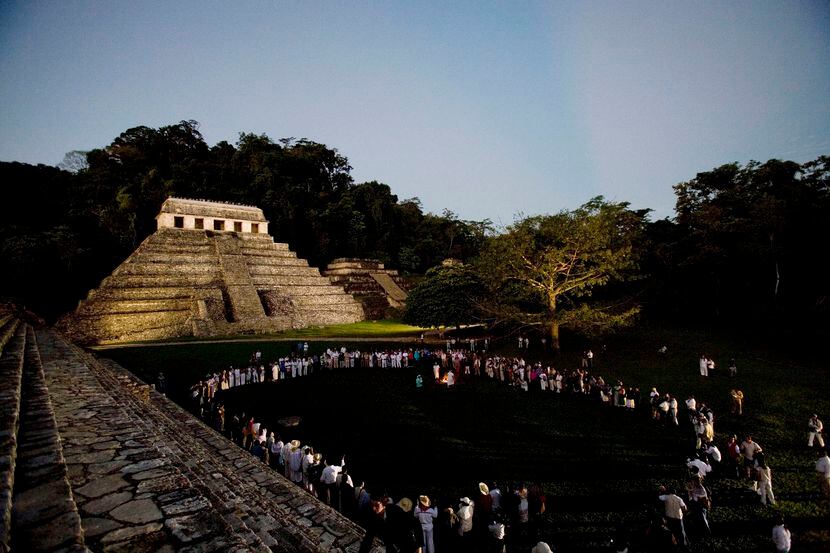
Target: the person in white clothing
(823, 472)
(702, 467)
(541, 547)
(426, 515)
(465, 517)
(765, 484)
(781, 536)
(675, 508)
(329, 479)
(703, 364)
(815, 427)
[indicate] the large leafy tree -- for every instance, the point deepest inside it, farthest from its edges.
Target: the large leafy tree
(557, 270)
(448, 295)
(749, 236)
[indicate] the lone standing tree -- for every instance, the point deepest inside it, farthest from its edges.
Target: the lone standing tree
(549, 269)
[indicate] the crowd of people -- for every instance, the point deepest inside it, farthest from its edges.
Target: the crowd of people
(482, 523)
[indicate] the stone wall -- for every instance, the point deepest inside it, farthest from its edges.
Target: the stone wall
(94, 459)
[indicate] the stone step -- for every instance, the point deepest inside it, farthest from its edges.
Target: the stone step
(130, 491)
(11, 376)
(45, 516)
(266, 281)
(155, 256)
(123, 325)
(264, 245)
(176, 249)
(321, 300)
(325, 317)
(146, 335)
(271, 260)
(283, 270)
(142, 293)
(355, 262)
(160, 281)
(179, 237)
(292, 519)
(354, 272)
(7, 331)
(169, 268)
(274, 253)
(221, 484)
(107, 306)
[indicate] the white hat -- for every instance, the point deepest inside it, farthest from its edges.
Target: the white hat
(482, 487)
(541, 547)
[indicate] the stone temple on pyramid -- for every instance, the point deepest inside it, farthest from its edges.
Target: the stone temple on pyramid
(210, 269)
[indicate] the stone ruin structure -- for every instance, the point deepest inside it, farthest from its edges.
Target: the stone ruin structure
(94, 459)
(210, 269)
(379, 289)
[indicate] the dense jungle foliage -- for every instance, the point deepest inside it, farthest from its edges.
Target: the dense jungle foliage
(746, 243)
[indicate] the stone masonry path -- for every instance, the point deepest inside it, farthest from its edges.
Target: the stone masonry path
(147, 476)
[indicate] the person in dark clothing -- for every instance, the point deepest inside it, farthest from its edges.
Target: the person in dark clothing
(659, 539)
(395, 526)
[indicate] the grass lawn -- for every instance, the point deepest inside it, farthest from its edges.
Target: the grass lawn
(379, 330)
(599, 466)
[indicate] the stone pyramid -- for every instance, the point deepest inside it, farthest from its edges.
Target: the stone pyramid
(210, 269)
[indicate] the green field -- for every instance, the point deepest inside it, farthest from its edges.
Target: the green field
(598, 466)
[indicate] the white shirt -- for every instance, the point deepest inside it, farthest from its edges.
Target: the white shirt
(465, 514)
(715, 453)
(823, 466)
(702, 468)
(674, 506)
(330, 474)
(497, 530)
(781, 537)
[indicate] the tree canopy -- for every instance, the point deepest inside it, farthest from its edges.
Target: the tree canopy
(746, 243)
(97, 213)
(448, 295)
(749, 239)
(547, 270)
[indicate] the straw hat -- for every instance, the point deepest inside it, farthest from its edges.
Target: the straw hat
(295, 444)
(406, 504)
(424, 500)
(482, 487)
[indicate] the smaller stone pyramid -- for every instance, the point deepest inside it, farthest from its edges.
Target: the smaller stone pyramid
(210, 269)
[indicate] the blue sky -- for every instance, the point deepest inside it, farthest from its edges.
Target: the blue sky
(490, 109)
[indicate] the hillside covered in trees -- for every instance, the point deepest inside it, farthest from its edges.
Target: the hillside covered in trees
(747, 241)
(62, 231)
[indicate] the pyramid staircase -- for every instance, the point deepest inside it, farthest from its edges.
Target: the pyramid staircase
(203, 283)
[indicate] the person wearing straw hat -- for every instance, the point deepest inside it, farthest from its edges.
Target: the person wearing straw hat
(395, 525)
(465, 516)
(295, 463)
(482, 512)
(426, 515)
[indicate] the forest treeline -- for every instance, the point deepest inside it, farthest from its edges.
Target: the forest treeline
(748, 241)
